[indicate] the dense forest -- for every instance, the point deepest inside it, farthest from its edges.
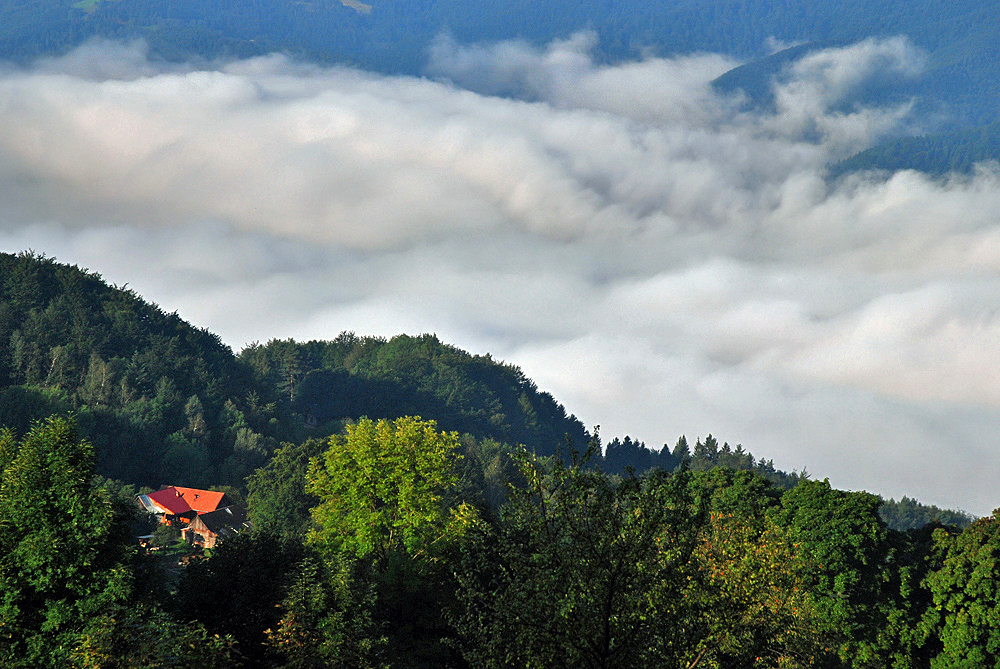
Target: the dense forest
(384, 547)
(164, 401)
(957, 151)
(414, 505)
(957, 89)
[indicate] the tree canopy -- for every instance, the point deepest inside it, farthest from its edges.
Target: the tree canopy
(63, 545)
(385, 486)
(397, 541)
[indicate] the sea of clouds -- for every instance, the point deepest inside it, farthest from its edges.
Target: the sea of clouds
(664, 259)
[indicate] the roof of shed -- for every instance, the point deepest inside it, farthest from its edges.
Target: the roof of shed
(224, 521)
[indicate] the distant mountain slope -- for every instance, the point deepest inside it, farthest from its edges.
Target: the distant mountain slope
(959, 36)
(354, 376)
(156, 395)
(334, 31)
(956, 151)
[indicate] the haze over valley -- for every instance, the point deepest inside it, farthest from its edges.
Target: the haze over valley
(660, 255)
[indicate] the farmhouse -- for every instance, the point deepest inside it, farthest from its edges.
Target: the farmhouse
(175, 505)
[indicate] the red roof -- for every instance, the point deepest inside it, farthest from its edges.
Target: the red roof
(176, 500)
(202, 501)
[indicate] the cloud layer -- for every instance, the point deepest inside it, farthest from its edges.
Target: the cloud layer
(660, 259)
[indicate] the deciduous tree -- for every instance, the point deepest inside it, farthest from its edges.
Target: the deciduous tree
(583, 571)
(64, 549)
(966, 597)
(385, 486)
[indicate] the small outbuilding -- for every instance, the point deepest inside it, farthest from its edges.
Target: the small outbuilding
(208, 529)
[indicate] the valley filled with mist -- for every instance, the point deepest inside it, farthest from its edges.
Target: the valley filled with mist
(660, 258)
(232, 232)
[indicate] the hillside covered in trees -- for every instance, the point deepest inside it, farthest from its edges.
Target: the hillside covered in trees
(390, 553)
(411, 504)
(414, 505)
(164, 401)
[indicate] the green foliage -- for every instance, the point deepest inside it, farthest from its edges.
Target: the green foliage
(20, 406)
(715, 568)
(384, 486)
(277, 497)
(352, 377)
(580, 572)
(622, 455)
(488, 469)
(848, 546)
(236, 590)
(327, 618)
(908, 514)
(167, 403)
(751, 590)
(677, 557)
(144, 636)
(709, 455)
(666, 569)
(754, 609)
(912, 635)
(966, 606)
(391, 519)
(64, 549)
(148, 388)
(164, 535)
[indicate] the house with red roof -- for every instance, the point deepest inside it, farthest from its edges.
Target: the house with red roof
(177, 505)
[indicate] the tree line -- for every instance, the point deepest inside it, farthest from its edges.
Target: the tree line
(396, 553)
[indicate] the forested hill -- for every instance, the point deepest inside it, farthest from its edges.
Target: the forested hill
(165, 401)
(371, 376)
(156, 395)
(957, 151)
(393, 36)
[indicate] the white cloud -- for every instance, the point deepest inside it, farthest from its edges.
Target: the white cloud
(658, 259)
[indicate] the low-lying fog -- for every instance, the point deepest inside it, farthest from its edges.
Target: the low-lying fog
(659, 258)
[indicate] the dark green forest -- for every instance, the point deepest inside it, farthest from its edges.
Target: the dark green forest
(382, 547)
(957, 151)
(164, 401)
(414, 505)
(958, 88)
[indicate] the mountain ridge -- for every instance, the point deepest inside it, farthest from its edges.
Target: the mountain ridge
(957, 87)
(164, 400)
